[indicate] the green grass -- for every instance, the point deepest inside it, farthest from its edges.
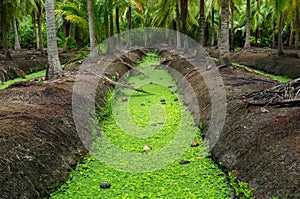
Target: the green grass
(30, 76)
(117, 155)
(277, 77)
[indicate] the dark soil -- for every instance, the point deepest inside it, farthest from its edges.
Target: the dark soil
(265, 59)
(24, 62)
(40, 145)
(262, 146)
(39, 142)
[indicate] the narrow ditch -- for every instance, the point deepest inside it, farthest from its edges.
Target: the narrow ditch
(144, 150)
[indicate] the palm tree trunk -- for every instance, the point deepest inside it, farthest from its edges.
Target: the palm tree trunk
(91, 25)
(297, 29)
(35, 31)
(291, 37)
(118, 27)
(280, 44)
(224, 48)
(184, 13)
(5, 42)
(17, 41)
(54, 69)
(39, 17)
(247, 40)
(274, 36)
(66, 28)
(232, 45)
(111, 31)
(258, 27)
(129, 27)
(213, 27)
(178, 43)
(106, 26)
(201, 23)
(4, 33)
(219, 30)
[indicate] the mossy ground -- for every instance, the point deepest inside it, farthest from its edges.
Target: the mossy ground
(145, 120)
(19, 79)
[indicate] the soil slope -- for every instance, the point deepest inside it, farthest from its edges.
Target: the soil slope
(261, 144)
(265, 59)
(39, 141)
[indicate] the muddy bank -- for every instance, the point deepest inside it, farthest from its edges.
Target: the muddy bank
(266, 60)
(39, 141)
(40, 145)
(25, 62)
(261, 144)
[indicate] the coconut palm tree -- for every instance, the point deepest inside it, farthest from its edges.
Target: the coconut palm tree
(224, 57)
(211, 7)
(201, 23)
(75, 12)
(247, 40)
(6, 8)
(54, 69)
(279, 11)
(39, 14)
(293, 21)
(90, 6)
(296, 46)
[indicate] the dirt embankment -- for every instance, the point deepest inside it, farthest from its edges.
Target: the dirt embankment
(25, 62)
(261, 144)
(266, 60)
(39, 143)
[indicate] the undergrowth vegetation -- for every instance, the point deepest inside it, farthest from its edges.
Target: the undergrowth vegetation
(154, 120)
(19, 79)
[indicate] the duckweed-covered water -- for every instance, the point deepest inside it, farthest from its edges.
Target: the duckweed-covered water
(159, 120)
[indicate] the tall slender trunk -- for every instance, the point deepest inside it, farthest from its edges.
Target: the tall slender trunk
(77, 37)
(4, 33)
(219, 30)
(247, 40)
(35, 30)
(213, 27)
(201, 23)
(129, 27)
(91, 25)
(106, 26)
(280, 44)
(224, 49)
(5, 42)
(54, 69)
(297, 29)
(178, 43)
(66, 28)
(40, 32)
(291, 37)
(184, 13)
(17, 40)
(258, 37)
(118, 27)
(274, 31)
(111, 31)
(232, 45)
